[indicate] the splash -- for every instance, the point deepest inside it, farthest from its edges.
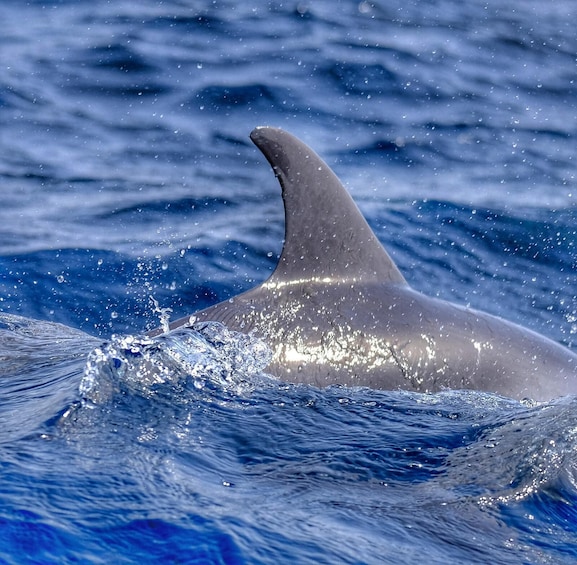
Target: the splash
(164, 314)
(194, 355)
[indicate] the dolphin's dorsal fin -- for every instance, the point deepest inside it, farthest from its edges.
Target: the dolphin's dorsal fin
(326, 236)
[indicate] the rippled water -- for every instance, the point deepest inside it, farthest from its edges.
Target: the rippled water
(126, 173)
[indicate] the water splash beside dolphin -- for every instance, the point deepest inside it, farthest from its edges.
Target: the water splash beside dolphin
(337, 310)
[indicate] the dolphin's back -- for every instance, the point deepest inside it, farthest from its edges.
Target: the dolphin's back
(396, 338)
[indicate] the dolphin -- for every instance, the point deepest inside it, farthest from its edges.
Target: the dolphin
(337, 310)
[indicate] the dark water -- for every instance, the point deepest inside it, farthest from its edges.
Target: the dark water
(126, 173)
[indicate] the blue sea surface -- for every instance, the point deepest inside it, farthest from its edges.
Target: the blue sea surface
(130, 188)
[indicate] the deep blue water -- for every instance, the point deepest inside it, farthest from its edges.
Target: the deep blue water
(126, 173)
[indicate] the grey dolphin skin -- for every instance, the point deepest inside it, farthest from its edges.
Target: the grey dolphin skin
(337, 310)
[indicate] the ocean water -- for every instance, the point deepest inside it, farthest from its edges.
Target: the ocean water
(129, 186)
